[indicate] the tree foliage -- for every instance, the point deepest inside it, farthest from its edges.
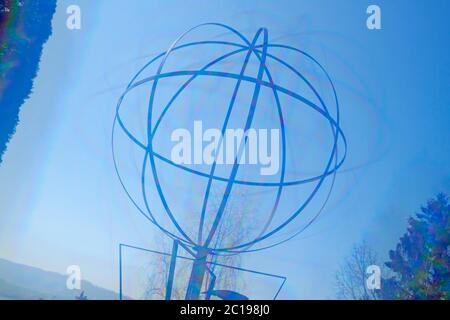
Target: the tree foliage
(420, 262)
(418, 268)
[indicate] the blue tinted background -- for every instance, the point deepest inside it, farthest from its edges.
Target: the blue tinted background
(60, 200)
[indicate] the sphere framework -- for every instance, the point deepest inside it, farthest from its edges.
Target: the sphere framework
(258, 48)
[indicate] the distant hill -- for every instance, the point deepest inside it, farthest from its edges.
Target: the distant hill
(18, 281)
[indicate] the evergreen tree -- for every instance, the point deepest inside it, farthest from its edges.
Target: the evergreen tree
(421, 260)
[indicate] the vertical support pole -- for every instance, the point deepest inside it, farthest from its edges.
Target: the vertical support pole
(120, 271)
(172, 270)
(197, 275)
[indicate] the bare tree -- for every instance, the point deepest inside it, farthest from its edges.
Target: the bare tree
(230, 233)
(351, 276)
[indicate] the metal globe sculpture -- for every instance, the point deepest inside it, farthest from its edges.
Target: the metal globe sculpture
(249, 90)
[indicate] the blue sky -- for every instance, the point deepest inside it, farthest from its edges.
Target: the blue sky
(60, 200)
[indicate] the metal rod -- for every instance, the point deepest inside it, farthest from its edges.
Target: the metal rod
(210, 287)
(120, 271)
(172, 270)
